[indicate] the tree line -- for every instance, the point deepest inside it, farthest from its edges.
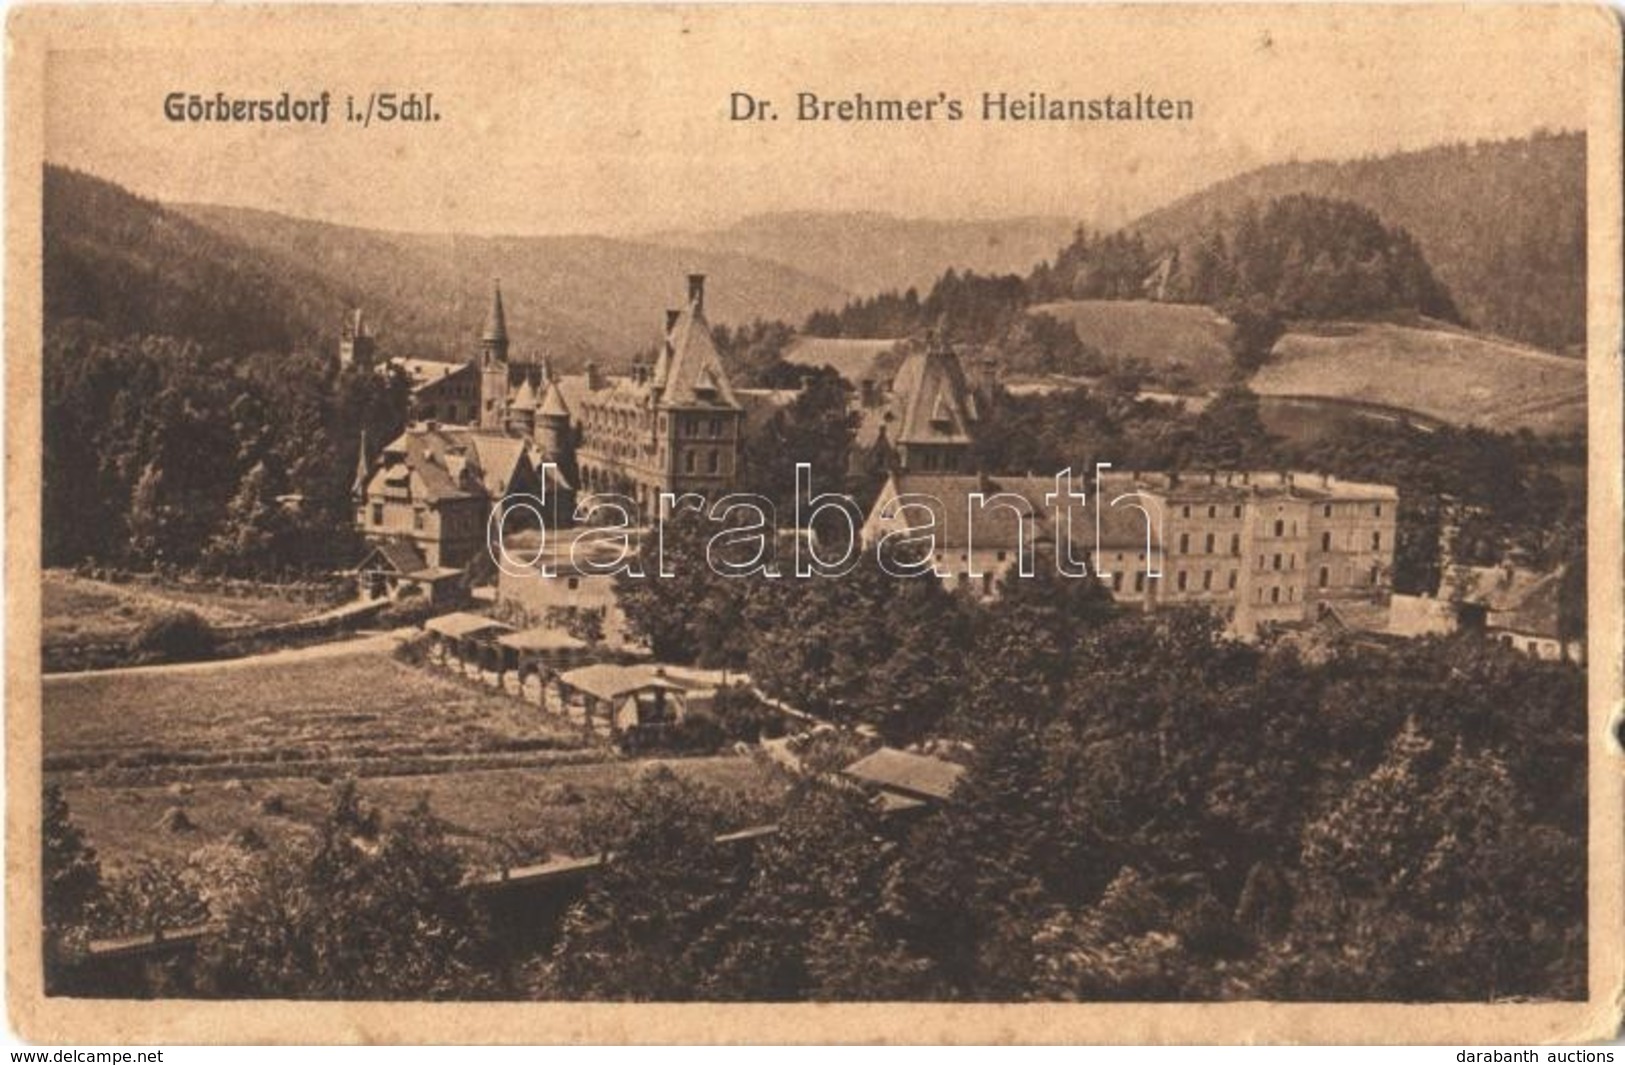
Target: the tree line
(1299, 257)
(164, 452)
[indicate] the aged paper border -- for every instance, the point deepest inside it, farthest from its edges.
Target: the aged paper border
(32, 32)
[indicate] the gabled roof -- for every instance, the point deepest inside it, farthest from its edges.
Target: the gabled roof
(461, 624)
(607, 681)
(995, 524)
(454, 462)
(399, 555)
(916, 775)
(1518, 600)
(695, 365)
(542, 639)
(934, 400)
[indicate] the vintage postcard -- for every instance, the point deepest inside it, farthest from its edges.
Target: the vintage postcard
(818, 523)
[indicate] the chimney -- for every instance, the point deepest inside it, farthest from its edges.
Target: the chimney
(696, 292)
(672, 315)
(594, 380)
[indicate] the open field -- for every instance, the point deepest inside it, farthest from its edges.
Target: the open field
(338, 706)
(1171, 338)
(79, 609)
(1446, 374)
(510, 815)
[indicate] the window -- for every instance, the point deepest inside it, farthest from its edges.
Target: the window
(1292, 561)
(1185, 542)
(572, 583)
(1379, 510)
(716, 426)
(377, 513)
(1181, 581)
(1212, 512)
(1207, 580)
(713, 461)
(1376, 541)
(1292, 594)
(1237, 512)
(1139, 581)
(1232, 582)
(1327, 511)
(417, 520)
(1184, 512)
(1325, 541)
(1002, 554)
(1325, 576)
(1235, 543)
(1280, 527)
(1208, 544)
(1117, 581)
(1275, 595)
(1277, 564)
(688, 462)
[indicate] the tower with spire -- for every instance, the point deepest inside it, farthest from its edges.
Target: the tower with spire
(493, 363)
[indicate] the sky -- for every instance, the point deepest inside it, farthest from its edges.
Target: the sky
(614, 120)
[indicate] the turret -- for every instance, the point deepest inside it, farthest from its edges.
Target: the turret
(494, 363)
(553, 435)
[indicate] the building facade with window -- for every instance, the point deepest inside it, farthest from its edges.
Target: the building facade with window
(1261, 548)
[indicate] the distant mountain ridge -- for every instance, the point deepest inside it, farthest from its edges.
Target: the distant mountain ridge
(1502, 223)
(867, 252)
(256, 280)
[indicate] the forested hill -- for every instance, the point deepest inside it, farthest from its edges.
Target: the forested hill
(1502, 223)
(141, 269)
(239, 280)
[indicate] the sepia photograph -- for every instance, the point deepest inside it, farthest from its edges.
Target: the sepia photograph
(1039, 518)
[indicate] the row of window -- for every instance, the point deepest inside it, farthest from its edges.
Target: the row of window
(713, 461)
(1209, 541)
(939, 460)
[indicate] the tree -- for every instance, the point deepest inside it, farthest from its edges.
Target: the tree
(815, 922)
(696, 616)
(367, 910)
(249, 540)
(71, 888)
(647, 928)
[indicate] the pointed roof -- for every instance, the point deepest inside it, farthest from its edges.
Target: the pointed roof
(524, 397)
(553, 405)
(935, 407)
(496, 322)
(695, 366)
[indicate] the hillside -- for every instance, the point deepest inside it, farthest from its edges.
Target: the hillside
(869, 252)
(574, 298)
(137, 267)
(1447, 374)
(1169, 337)
(251, 280)
(1502, 224)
